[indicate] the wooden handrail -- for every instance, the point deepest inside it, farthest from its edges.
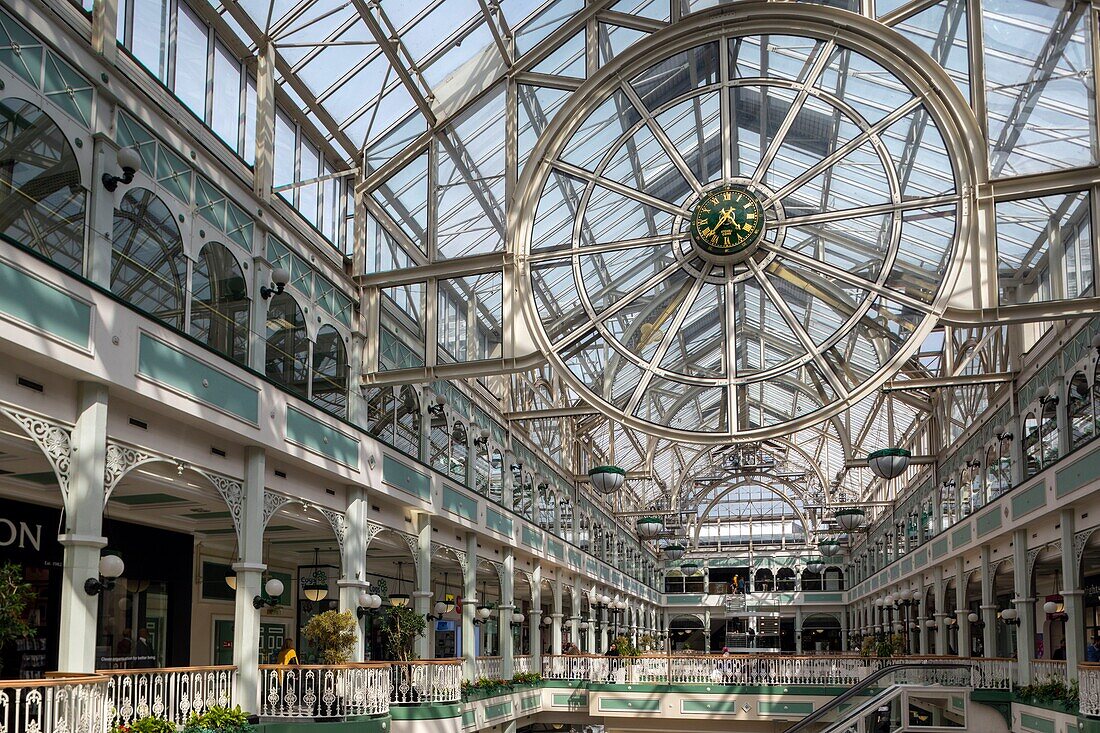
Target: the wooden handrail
(349, 665)
(449, 660)
(52, 681)
(167, 670)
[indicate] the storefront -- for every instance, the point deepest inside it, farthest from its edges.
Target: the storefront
(144, 621)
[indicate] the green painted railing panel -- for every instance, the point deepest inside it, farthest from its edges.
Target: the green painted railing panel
(822, 597)
(961, 536)
(530, 702)
(574, 700)
(988, 522)
(530, 537)
(623, 705)
(685, 599)
(907, 565)
(575, 557)
(463, 506)
(939, 548)
(469, 718)
(173, 368)
(1028, 500)
(315, 435)
(498, 710)
(1077, 474)
(397, 474)
(767, 707)
(44, 307)
(1034, 722)
(556, 549)
(497, 522)
(718, 707)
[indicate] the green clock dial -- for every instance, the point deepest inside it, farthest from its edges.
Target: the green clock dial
(728, 222)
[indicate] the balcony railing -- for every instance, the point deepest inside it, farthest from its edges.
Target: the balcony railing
(522, 664)
(1088, 676)
(740, 669)
(489, 667)
(1044, 669)
(170, 694)
(324, 691)
(58, 705)
(426, 681)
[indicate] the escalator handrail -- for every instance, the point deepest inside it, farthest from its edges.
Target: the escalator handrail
(862, 685)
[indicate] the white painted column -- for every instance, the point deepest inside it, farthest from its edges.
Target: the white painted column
(353, 561)
(798, 629)
(1025, 605)
(469, 608)
(534, 619)
(83, 538)
(422, 596)
(507, 605)
(989, 606)
(922, 617)
(556, 616)
(1071, 593)
(940, 592)
(961, 609)
(249, 569)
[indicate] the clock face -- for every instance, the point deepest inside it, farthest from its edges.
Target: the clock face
(727, 221)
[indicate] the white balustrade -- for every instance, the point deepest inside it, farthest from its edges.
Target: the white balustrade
(169, 694)
(522, 664)
(429, 682)
(488, 667)
(58, 705)
(565, 666)
(1088, 676)
(1045, 669)
(324, 691)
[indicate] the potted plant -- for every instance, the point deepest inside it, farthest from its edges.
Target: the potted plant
(15, 596)
(401, 627)
(332, 634)
(148, 724)
(218, 719)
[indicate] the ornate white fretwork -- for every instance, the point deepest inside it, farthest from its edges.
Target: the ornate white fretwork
(54, 439)
(1080, 539)
(1034, 553)
(414, 547)
(371, 531)
(121, 459)
(272, 503)
(459, 555)
(338, 522)
(232, 493)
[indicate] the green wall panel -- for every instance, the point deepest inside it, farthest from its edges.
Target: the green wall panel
(183, 372)
(469, 718)
(988, 522)
(530, 537)
(719, 707)
(315, 435)
(1036, 723)
(939, 548)
(1028, 500)
(685, 599)
(819, 597)
(767, 707)
(574, 700)
(556, 549)
(626, 705)
(497, 522)
(960, 536)
(1077, 474)
(43, 307)
(397, 474)
(498, 710)
(530, 702)
(463, 506)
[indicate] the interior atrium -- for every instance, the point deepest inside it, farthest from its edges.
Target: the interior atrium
(539, 365)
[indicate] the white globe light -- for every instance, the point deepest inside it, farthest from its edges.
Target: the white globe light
(930, 623)
(547, 621)
(364, 599)
(972, 617)
(1010, 614)
(273, 587)
(111, 566)
(517, 617)
(916, 594)
(439, 608)
(375, 600)
(1050, 607)
(888, 463)
(484, 611)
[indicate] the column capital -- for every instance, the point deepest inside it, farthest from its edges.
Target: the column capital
(557, 615)
(82, 540)
(354, 583)
(249, 567)
(991, 607)
(421, 594)
(535, 612)
(1072, 593)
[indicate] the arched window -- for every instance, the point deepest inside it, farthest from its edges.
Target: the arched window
(381, 413)
(42, 202)
(546, 501)
(287, 358)
(457, 464)
(219, 302)
(496, 477)
(407, 425)
(481, 469)
(148, 267)
(439, 444)
(763, 581)
(1033, 461)
(1079, 402)
(1049, 432)
(329, 385)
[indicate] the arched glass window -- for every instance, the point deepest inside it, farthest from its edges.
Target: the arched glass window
(1049, 432)
(1033, 461)
(481, 469)
(1082, 421)
(546, 507)
(407, 425)
(439, 444)
(329, 386)
(381, 413)
(763, 581)
(287, 360)
(456, 467)
(219, 302)
(148, 267)
(496, 477)
(42, 203)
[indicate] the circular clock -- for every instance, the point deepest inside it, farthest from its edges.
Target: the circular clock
(746, 223)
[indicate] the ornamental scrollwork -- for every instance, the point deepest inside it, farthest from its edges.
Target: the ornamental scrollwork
(272, 503)
(1080, 540)
(338, 522)
(53, 439)
(232, 493)
(122, 459)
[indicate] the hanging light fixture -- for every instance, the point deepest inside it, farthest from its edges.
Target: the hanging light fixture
(649, 527)
(674, 551)
(231, 577)
(399, 599)
(689, 567)
(815, 565)
(889, 463)
(315, 585)
(606, 479)
(829, 547)
(851, 518)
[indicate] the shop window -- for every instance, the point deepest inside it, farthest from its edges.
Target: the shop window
(42, 203)
(148, 267)
(329, 388)
(287, 345)
(219, 303)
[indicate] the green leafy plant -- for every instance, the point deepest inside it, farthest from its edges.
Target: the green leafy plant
(401, 626)
(332, 634)
(1051, 690)
(218, 719)
(625, 646)
(15, 596)
(526, 678)
(647, 642)
(148, 724)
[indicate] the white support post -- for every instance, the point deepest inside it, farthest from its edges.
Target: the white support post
(1072, 595)
(469, 608)
(83, 538)
(507, 605)
(962, 611)
(556, 616)
(989, 607)
(940, 593)
(249, 569)
(353, 562)
(422, 596)
(534, 619)
(1025, 606)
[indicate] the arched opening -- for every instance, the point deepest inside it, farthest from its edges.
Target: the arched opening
(391, 571)
(763, 581)
(219, 302)
(820, 634)
(687, 634)
(287, 357)
(1081, 410)
(148, 266)
(329, 379)
(785, 580)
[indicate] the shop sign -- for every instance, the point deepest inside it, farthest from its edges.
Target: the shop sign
(23, 536)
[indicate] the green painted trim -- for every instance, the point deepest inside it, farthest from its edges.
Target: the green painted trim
(939, 548)
(499, 710)
(767, 707)
(530, 537)
(424, 712)
(717, 707)
(529, 702)
(804, 690)
(1077, 474)
(456, 503)
(960, 536)
(883, 452)
(574, 700)
(957, 702)
(628, 705)
(684, 599)
(44, 307)
(556, 549)
(318, 437)
(361, 724)
(184, 373)
(497, 522)
(398, 475)
(1036, 723)
(819, 597)
(988, 522)
(469, 718)
(1028, 500)
(606, 469)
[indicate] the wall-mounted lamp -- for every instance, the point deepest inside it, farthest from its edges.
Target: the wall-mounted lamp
(110, 568)
(273, 588)
(481, 614)
(517, 619)
(1011, 616)
(129, 160)
(279, 279)
(483, 437)
(1051, 397)
(1002, 433)
(368, 602)
(436, 404)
